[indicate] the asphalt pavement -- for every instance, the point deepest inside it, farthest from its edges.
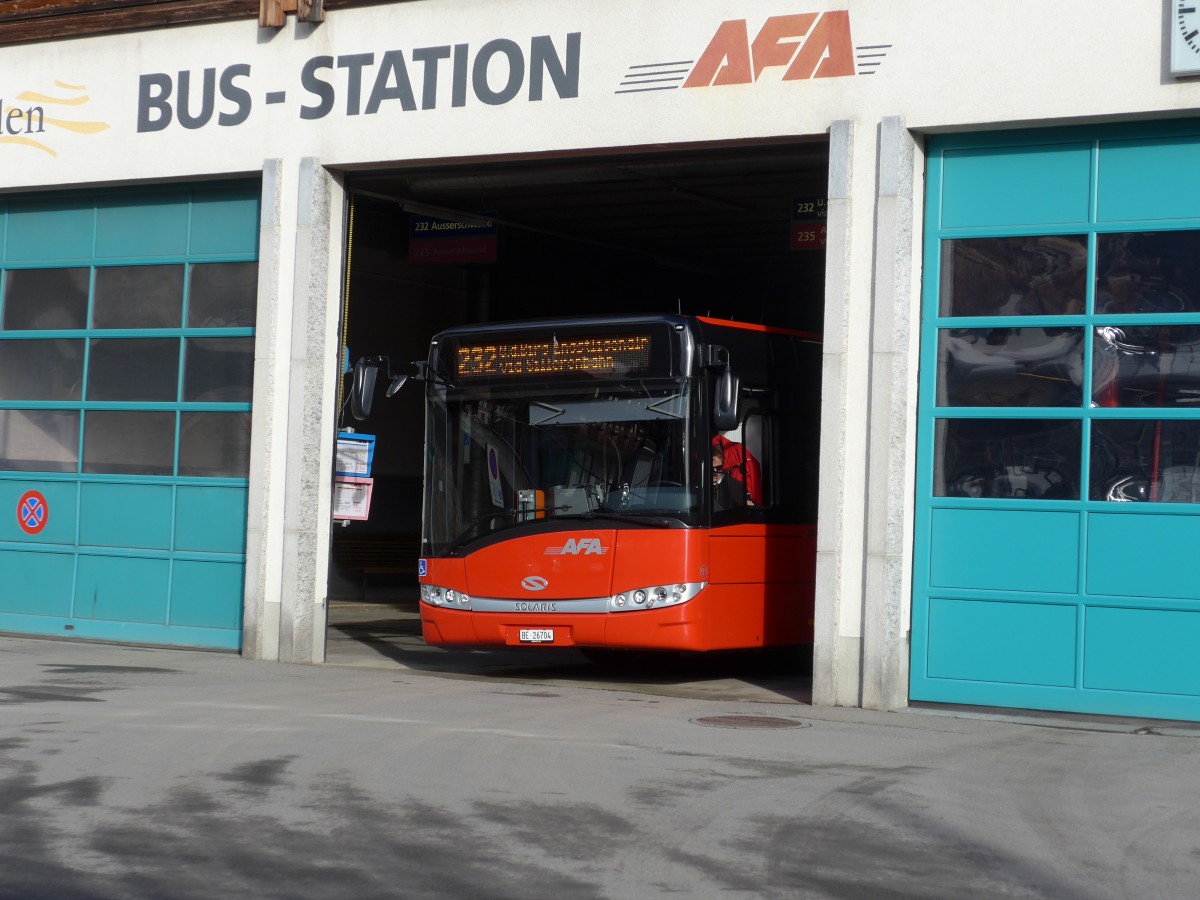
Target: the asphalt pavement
(134, 772)
(387, 635)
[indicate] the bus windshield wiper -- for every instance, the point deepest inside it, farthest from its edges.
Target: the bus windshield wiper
(655, 521)
(470, 533)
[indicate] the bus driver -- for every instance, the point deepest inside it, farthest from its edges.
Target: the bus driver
(728, 492)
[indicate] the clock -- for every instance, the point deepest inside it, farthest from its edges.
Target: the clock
(1185, 36)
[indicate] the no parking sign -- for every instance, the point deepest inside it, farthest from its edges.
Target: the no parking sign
(493, 464)
(32, 512)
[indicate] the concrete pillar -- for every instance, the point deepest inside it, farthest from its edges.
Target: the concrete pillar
(863, 590)
(260, 610)
(837, 646)
(295, 394)
(887, 576)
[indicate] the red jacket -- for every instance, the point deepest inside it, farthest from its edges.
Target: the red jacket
(739, 463)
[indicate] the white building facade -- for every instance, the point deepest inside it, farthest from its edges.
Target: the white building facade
(963, 141)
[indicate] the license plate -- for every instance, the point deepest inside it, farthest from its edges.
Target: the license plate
(537, 635)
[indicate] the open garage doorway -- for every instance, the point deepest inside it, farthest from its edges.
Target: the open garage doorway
(732, 232)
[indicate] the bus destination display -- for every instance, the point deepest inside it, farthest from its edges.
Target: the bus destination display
(617, 354)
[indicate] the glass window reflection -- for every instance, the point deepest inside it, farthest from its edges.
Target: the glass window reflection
(1145, 460)
(1011, 367)
(45, 299)
(1014, 276)
(1148, 272)
(218, 370)
(1146, 366)
(50, 369)
(39, 440)
(141, 369)
(1010, 459)
(138, 297)
(223, 295)
(125, 442)
(214, 444)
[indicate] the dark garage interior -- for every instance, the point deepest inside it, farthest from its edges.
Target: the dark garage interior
(702, 232)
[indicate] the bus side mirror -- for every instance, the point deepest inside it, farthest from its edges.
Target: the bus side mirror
(725, 401)
(363, 389)
(365, 373)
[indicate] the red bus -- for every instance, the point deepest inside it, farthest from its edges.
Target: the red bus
(632, 483)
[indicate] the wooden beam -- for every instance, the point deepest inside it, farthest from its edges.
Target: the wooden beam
(271, 14)
(30, 21)
(36, 9)
(49, 22)
(310, 10)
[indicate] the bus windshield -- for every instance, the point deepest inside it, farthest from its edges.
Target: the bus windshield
(503, 458)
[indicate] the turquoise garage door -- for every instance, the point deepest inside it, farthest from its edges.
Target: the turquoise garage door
(126, 360)
(1058, 494)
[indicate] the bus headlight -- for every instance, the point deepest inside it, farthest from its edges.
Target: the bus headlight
(655, 597)
(445, 597)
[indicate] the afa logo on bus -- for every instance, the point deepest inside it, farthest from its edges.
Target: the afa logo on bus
(573, 547)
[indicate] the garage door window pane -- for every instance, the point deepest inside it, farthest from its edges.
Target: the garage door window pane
(140, 369)
(45, 299)
(41, 370)
(1010, 367)
(124, 442)
(1148, 272)
(39, 440)
(218, 370)
(1023, 276)
(214, 444)
(1147, 366)
(138, 297)
(1146, 460)
(223, 295)
(1010, 459)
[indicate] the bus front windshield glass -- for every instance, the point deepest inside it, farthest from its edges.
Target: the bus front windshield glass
(513, 457)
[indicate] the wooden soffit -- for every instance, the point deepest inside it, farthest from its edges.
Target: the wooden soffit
(29, 21)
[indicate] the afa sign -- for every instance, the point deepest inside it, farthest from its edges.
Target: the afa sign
(806, 45)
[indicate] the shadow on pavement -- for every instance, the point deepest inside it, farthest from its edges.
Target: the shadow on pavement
(388, 635)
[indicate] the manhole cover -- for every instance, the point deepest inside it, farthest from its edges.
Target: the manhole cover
(749, 722)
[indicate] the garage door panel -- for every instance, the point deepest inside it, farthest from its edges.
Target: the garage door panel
(211, 519)
(36, 583)
(1018, 643)
(61, 505)
(1005, 550)
(126, 515)
(45, 230)
(1151, 650)
(1136, 555)
(224, 222)
(1139, 180)
(158, 227)
(122, 589)
(141, 461)
(207, 594)
(996, 186)
(1083, 601)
